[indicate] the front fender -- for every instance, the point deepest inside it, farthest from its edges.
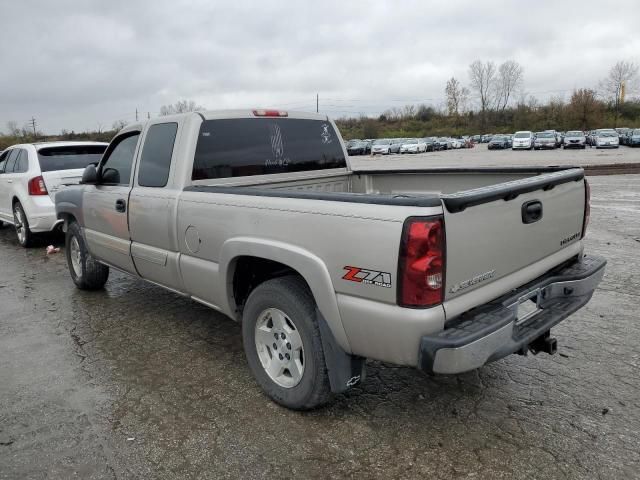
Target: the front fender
(308, 265)
(69, 203)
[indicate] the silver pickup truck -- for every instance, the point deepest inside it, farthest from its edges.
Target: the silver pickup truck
(259, 215)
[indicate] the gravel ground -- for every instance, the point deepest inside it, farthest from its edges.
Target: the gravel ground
(136, 382)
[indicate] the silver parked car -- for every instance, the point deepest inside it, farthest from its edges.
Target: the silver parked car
(575, 139)
(545, 140)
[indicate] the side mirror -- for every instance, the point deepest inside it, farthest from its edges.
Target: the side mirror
(90, 175)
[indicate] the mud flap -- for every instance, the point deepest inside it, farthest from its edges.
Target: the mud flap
(345, 370)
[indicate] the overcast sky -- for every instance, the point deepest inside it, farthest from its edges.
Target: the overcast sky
(83, 64)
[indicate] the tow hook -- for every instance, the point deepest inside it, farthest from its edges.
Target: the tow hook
(544, 343)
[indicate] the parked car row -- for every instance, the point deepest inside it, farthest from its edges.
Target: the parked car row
(551, 139)
(629, 136)
(387, 146)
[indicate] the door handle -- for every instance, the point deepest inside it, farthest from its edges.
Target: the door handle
(531, 211)
(121, 205)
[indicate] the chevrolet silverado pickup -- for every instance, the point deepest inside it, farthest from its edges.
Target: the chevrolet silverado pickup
(259, 215)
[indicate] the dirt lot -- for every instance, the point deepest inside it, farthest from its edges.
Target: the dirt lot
(136, 382)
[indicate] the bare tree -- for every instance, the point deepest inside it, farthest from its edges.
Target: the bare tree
(584, 109)
(457, 96)
(483, 78)
(12, 127)
(510, 79)
(118, 125)
(181, 106)
(623, 76)
(408, 112)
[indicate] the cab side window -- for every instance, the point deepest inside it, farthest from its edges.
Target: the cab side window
(117, 165)
(155, 160)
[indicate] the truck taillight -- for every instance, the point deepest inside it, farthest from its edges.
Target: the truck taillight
(421, 263)
(270, 113)
(587, 207)
(37, 186)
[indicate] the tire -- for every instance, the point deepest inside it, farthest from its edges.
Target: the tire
(86, 272)
(284, 303)
(21, 224)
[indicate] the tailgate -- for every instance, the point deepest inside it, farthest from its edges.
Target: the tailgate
(497, 230)
(58, 179)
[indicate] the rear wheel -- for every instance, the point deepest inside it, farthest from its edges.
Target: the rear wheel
(21, 224)
(86, 272)
(283, 345)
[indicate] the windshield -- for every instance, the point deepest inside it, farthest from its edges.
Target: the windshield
(636, 131)
(574, 134)
(499, 138)
(522, 135)
(70, 157)
(608, 134)
(382, 142)
(545, 135)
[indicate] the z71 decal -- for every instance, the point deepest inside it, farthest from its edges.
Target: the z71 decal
(369, 277)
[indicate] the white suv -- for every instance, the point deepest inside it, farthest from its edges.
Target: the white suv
(30, 176)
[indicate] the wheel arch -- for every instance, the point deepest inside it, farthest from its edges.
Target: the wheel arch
(291, 259)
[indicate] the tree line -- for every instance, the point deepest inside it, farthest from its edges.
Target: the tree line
(495, 101)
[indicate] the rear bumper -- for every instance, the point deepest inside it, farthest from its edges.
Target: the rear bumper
(41, 213)
(493, 331)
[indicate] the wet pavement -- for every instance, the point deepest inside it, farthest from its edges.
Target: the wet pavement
(137, 382)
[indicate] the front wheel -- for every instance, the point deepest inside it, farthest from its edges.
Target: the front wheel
(283, 345)
(86, 272)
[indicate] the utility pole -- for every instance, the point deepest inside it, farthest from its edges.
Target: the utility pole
(32, 122)
(317, 102)
(136, 114)
(148, 115)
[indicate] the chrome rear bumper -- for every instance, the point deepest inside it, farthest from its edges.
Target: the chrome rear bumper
(494, 330)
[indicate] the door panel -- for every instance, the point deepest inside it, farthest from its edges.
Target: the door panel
(154, 246)
(6, 183)
(106, 205)
(107, 229)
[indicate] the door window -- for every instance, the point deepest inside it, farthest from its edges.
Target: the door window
(11, 160)
(155, 160)
(118, 162)
(3, 161)
(22, 162)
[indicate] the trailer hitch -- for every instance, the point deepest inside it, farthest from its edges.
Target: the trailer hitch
(544, 343)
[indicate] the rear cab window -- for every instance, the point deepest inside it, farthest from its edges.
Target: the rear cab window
(69, 157)
(261, 146)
